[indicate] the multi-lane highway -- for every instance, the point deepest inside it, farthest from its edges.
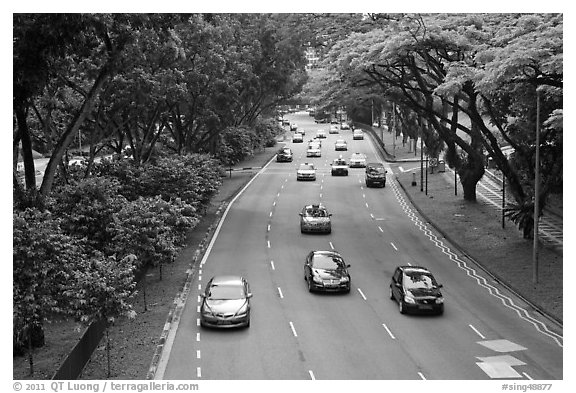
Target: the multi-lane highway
(485, 332)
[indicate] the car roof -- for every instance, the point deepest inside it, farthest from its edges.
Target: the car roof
(410, 269)
(227, 279)
(326, 252)
(375, 164)
(315, 206)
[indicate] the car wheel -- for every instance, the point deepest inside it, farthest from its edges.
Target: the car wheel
(309, 285)
(248, 323)
(401, 307)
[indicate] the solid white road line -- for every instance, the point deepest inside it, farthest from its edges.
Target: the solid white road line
(389, 332)
(361, 293)
(477, 332)
(293, 330)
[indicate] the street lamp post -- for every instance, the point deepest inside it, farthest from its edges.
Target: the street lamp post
(536, 192)
(421, 155)
(426, 174)
(503, 199)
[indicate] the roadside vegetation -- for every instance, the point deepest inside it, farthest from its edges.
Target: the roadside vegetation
(157, 105)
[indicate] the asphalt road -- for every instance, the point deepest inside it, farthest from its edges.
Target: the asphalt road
(485, 332)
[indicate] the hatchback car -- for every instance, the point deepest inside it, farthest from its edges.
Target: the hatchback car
(326, 271)
(339, 167)
(333, 130)
(340, 145)
(306, 171)
(375, 174)
(284, 155)
(357, 160)
(297, 138)
(358, 134)
(315, 218)
(226, 302)
(344, 126)
(416, 289)
(293, 126)
(321, 134)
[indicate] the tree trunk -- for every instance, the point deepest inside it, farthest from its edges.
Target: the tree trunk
(30, 354)
(29, 169)
(108, 352)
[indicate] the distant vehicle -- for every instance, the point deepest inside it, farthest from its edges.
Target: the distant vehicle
(333, 130)
(306, 171)
(375, 174)
(313, 150)
(321, 134)
(375, 124)
(339, 167)
(285, 122)
(297, 138)
(334, 121)
(357, 160)
(315, 218)
(344, 126)
(302, 131)
(416, 289)
(293, 126)
(326, 271)
(340, 145)
(226, 302)
(284, 155)
(358, 134)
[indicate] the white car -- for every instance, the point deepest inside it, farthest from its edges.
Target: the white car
(339, 167)
(358, 134)
(344, 126)
(293, 126)
(297, 138)
(321, 134)
(306, 171)
(357, 160)
(340, 145)
(333, 130)
(313, 150)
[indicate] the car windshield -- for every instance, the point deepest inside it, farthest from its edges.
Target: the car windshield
(327, 262)
(339, 162)
(226, 292)
(376, 169)
(419, 280)
(316, 212)
(341, 141)
(307, 167)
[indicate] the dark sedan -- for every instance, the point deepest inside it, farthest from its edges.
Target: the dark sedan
(416, 289)
(326, 271)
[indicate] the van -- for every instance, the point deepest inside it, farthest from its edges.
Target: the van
(375, 174)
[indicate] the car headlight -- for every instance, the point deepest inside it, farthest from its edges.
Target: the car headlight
(317, 279)
(409, 299)
(242, 311)
(207, 310)
(344, 279)
(440, 300)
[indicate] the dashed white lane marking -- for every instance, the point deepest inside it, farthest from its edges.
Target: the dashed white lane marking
(366, 204)
(421, 375)
(277, 195)
(200, 277)
(371, 216)
(364, 196)
(197, 321)
(268, 243)
(527, 376)
(270, 214)
(361, 293)
(198, 355)
(320, 195)
(393, 246)
(198, 308)
(272, 264)
(268, 227)
(199, 287)
(197, 336)
(380, 229)
(199, 372)
(311, 375)
(274, 204)
(331, 245)
(293, 329)
(389, 332)
(280, 293)
(477, 332)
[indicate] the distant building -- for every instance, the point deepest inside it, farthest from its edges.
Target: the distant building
(312, 58)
